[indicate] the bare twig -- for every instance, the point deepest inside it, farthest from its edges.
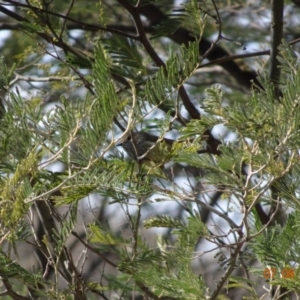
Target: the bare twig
(65, 19)
(82, 25)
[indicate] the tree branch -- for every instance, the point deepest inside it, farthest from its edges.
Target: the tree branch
(135, 13)
(276, 37)
(183, 36)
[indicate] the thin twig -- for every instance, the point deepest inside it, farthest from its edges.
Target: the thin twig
(84, 26)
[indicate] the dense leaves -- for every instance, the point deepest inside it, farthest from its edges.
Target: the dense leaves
(79, 218)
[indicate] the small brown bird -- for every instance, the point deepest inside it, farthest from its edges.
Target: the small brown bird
(145, 147)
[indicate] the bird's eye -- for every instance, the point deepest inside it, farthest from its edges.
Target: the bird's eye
(128, 138)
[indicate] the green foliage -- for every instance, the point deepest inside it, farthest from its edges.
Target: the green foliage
(278, 250)
(125, 57)
(16, 189)
(105, 106)
(10, 269)
(67, 226)
(5, 76)
(169, 271)
(172, 76)
(163, 221)
(278, 246)
(190, 16)
(67, 101)
(239, 282)
(101, 237)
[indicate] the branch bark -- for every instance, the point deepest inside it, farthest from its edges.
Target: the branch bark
(276, 37)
